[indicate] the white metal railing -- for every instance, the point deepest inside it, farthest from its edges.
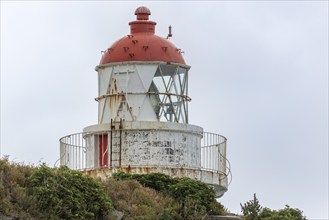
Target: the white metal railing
(73, 151)
(213, 152)
(213, 155)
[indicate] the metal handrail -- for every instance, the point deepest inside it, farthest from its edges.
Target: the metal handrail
(185, 97)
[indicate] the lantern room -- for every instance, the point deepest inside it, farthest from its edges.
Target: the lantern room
(151, 85)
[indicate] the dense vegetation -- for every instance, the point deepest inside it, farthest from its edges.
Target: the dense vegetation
(252, 210)
(66, 194)
(29, 192)
(192, 199)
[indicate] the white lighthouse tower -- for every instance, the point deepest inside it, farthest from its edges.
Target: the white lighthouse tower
(143, 122)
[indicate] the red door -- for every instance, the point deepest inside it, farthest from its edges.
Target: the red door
(103, 152)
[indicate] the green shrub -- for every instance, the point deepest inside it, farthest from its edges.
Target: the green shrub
(66, 194)
(14, 199)
(193, 196)
(194, 199)
(252, 210)
(286, 213)
(121, 176)
(138, 202)
(157, 181)
(217, 208)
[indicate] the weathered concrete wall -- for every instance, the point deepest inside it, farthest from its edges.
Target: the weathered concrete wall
(149, 144)
(162, 148)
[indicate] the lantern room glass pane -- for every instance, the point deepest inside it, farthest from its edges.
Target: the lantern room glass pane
(168, 93)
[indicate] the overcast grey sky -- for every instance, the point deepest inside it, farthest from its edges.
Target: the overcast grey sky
(259, 77)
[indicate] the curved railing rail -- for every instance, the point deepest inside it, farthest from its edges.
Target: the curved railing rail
(73, 151)
(213, 153)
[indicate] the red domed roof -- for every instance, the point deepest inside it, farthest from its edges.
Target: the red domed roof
(142, 44)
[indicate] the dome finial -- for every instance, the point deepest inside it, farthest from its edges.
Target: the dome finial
(142, 13)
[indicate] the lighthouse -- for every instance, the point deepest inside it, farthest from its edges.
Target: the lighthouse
(143, 121)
